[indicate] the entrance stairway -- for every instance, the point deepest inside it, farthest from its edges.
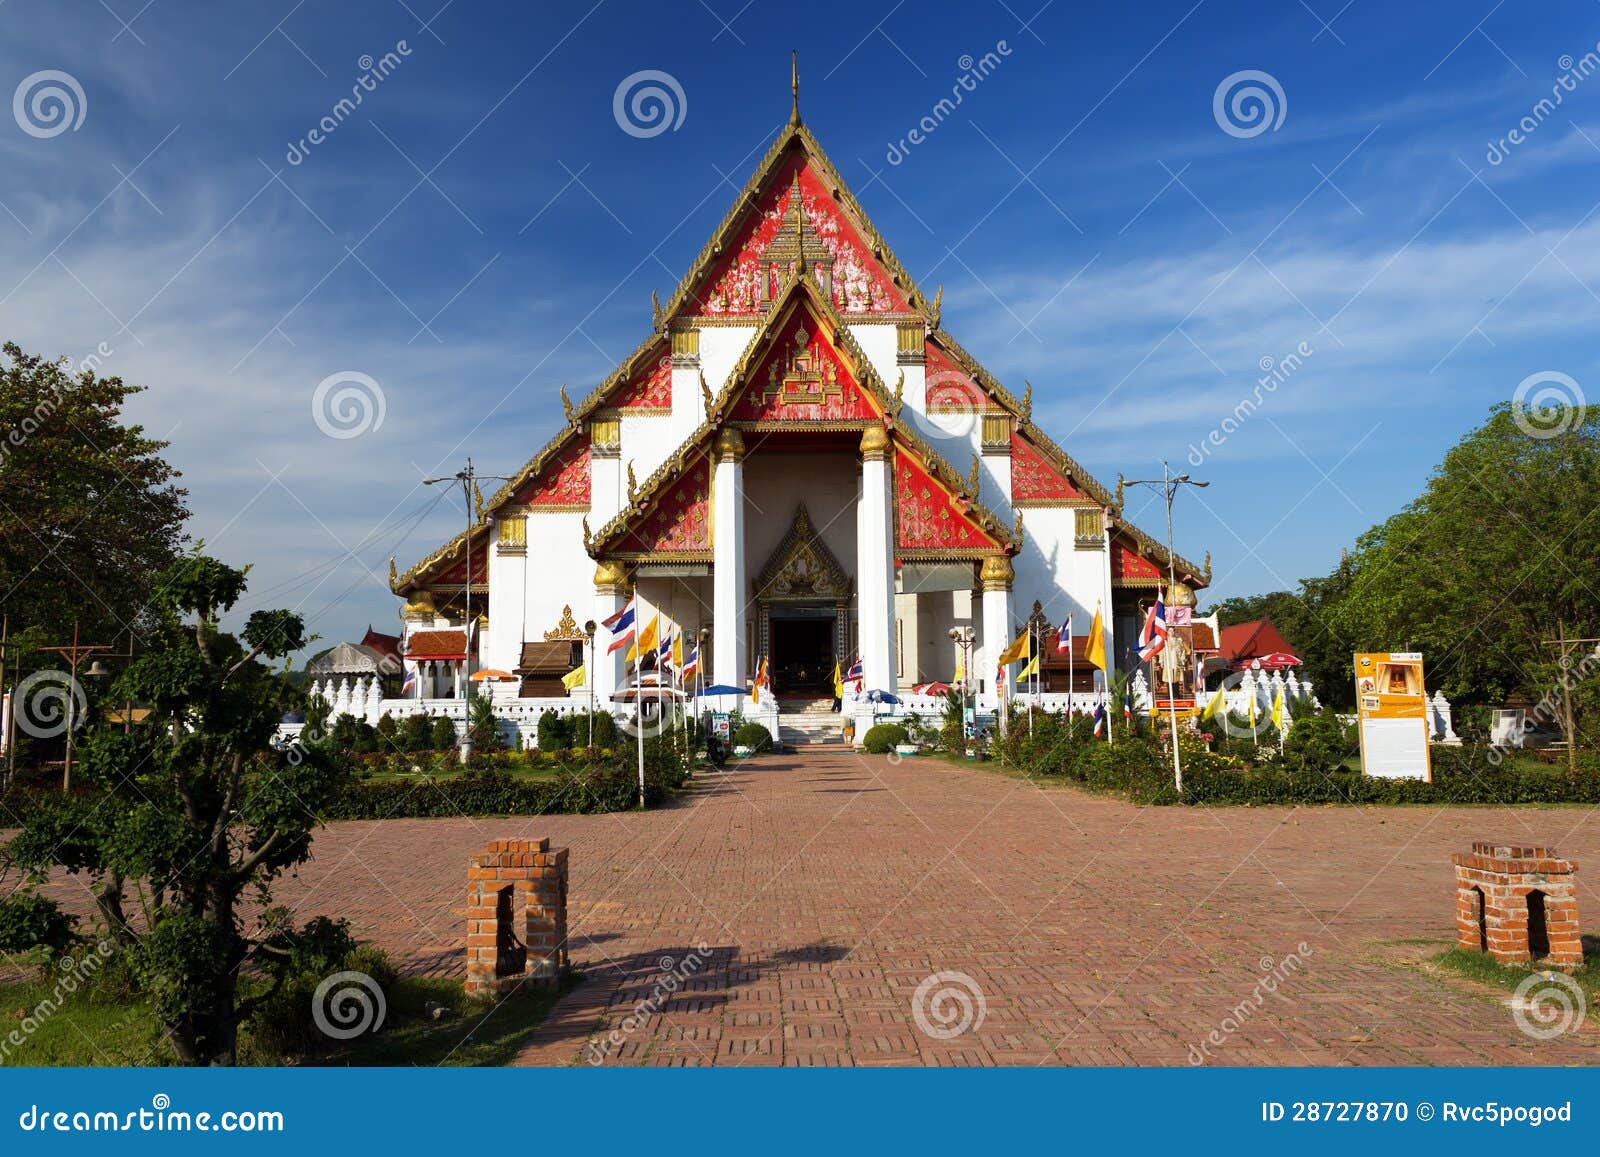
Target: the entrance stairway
(810, 723)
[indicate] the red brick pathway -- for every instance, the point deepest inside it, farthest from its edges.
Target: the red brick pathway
(828, 887)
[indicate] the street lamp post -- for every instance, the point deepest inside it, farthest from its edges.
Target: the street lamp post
(1169, 484)
(588, 675)
(964, 637)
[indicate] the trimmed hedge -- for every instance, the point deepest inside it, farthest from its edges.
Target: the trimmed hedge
(1141, 769)
(881, 738)
(754, 736)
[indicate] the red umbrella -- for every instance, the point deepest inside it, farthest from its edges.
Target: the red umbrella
(931, 689)
(1276, 661)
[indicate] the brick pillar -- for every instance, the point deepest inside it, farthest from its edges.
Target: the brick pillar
(1494, 883)
(516, 917)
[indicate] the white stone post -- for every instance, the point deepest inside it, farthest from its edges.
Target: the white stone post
(996, 576)
(610, 596)
(729, 661)
(875, 561)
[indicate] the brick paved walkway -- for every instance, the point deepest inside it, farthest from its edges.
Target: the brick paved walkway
(828, 887)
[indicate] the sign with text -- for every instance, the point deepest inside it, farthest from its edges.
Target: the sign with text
(1392, 709)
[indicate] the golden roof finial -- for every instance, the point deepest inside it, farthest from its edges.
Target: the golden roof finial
(938, 302)
(655, 311)
(794, 84)
(566, 404)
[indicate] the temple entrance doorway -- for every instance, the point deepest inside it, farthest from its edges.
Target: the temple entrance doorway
(802, 650)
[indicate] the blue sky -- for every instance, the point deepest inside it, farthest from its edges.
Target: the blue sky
(482, 230)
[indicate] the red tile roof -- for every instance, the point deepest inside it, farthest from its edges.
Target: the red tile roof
(437, 645)
(1252, 640)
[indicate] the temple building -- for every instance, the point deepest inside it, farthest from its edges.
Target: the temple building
(798, 461)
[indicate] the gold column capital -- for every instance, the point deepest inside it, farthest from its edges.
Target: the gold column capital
(729, 445)
(996, 573)
(874, 443)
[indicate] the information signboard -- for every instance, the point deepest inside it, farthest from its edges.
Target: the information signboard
(1392, 709)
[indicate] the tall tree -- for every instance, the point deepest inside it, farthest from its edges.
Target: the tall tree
(89, 511)
(1494, 559)
(193, 804)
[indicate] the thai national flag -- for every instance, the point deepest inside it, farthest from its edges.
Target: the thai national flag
(691, 663)
(1127, 704)
(410, 684)
(1064, 637)
(621, 627)
(1100, 715)
(854, 675)
(1153, 635)
(664, 652)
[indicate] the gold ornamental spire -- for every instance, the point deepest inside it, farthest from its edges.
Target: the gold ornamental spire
(794, 84)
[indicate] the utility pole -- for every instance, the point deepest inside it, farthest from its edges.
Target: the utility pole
(1169, 484)
(1568, 725)
(469, 491)
(74, 655)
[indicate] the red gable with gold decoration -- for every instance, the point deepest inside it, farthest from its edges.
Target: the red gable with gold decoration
(804, 377)
(562, 485)
(680, 522)
(1130, 567)
(1034, 481)
(929, 518)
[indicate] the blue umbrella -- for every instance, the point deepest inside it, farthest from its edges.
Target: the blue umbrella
(881, 697)
(719, 689)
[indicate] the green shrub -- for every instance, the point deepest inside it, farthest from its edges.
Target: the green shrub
(297, 963)
(754, 736)
(416, 733)
(882, 738)
(1317, 742)
(387, 733)
(29, 921)
(555, 731)
(443, 735)
(484, 727)
(353, 735)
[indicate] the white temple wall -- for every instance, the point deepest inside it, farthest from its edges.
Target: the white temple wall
(556, 573)
(1051, 569)
(878, 343)
(647, 439)
(721, 346)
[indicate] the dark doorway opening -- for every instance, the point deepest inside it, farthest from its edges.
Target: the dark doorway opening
(512, 956)
(1480, 919)
(1538, 932)
(802, 655)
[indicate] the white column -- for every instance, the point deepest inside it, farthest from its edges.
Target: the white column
(996, 575)
(875, 561)
(610, 595)
(729, 661)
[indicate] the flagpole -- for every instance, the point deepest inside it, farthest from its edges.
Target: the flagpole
(638, 693)
(1069, 677)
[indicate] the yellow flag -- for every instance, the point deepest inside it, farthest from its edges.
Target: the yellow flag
(647, 637)
(1096, 654)
(1029, 671)
(575, 678)
(1215, 706)
(961, 668)
(1277, 709)
(838, 681)
(677, 651)
(1017, 650)
(1252, 711)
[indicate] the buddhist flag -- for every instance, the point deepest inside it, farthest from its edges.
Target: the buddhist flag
(1277, 709)
(1019, 649)
(648, 636)
(575, 678)
(1096, 654)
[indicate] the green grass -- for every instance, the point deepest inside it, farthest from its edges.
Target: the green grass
(1483, 968)
(101, 1027)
